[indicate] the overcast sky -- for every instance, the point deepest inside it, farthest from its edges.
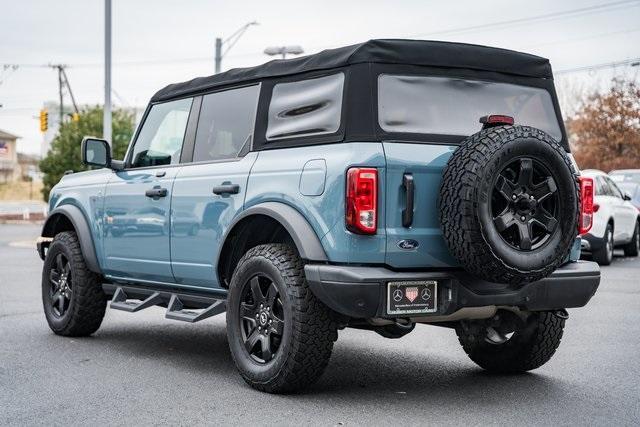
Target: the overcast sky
(156, 42)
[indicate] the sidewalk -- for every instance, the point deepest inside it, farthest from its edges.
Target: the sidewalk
(22, 211)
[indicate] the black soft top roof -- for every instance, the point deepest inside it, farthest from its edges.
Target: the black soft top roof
(409, 52)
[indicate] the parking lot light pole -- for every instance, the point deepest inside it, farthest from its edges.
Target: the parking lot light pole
(284, 50)
(229, 42)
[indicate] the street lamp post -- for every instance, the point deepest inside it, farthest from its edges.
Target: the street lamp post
(284, 50)
(229, 42)
(106, 118)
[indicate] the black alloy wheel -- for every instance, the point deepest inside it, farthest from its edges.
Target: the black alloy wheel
(524, 204)
(61, 285)
(279, 334)
(261, 318)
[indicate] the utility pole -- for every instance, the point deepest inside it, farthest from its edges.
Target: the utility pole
(59, 67)
(106, 120)
(218, 54)
(63, 81)
(229, 42)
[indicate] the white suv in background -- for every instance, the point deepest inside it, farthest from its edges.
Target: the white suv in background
(615, 221)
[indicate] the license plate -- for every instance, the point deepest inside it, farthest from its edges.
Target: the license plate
(412, 297)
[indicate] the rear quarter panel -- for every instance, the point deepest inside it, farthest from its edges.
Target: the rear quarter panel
(276, 177)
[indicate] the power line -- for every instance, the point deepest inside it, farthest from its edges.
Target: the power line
(538, 18)
(577, 39)
(545, 17)
(634, 62)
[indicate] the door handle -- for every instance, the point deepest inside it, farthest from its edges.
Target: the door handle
(156, 192)
(226, 188)
(407, 213)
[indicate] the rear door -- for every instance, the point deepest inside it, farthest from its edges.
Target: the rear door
(138, 199)
(418, 241)
(210, 188)
(436, 113)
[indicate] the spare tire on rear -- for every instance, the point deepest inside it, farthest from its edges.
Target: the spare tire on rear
(509, 204)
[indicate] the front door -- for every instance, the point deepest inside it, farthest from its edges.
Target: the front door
(209, 191)
(138, 199)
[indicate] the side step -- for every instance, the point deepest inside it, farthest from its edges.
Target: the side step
(183, 306)
(119, 301)
(176, 310)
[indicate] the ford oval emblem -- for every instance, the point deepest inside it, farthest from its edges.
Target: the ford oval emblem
(408, 244)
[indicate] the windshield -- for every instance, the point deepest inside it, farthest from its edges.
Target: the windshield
(453, 106)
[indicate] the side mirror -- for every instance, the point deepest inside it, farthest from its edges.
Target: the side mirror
(626, 195)
(96, 152)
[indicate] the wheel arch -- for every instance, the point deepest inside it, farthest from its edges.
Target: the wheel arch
(269, 222)
(71, 218)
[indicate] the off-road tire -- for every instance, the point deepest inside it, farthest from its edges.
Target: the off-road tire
(633, 247)
(309, 326)
(604, 255)
(465, 198)
(529, 348)
(88, 301)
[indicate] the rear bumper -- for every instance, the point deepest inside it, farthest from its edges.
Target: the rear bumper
(591, 243)
(360, 292)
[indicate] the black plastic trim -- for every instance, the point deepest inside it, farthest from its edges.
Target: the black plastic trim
(595, 243)
(359, 292)
(81, 226)
(305, 239)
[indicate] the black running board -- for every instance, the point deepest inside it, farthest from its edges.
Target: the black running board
(184, 306)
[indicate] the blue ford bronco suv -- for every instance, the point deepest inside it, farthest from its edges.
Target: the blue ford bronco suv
(374, 186)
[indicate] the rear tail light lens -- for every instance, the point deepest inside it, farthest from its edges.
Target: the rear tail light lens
(586, 205)
(362, 200)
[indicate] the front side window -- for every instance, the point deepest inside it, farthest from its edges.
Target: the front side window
(226, 123)
(306, 108)
(162, 134)
(453, 106)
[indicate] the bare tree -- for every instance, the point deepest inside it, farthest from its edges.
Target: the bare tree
(605, 131)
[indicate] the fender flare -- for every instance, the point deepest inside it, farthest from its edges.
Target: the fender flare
(81, 226)
(305, 239)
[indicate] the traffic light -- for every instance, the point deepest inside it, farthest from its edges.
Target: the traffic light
(44, 120)
(75, 117)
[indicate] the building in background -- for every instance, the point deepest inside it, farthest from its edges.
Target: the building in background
(9, 167)
(29, 165)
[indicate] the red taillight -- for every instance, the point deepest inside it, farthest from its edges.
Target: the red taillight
(596, 207)
(586, 205)
(362, 200)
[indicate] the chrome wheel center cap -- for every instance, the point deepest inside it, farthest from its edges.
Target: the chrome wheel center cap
(263, 318)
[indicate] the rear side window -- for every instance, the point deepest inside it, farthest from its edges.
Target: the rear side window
(226, 123)
(602, 187)
(306, 108)
(453, 106)
(162, 134)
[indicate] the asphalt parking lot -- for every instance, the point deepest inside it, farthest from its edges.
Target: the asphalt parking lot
(142, 369)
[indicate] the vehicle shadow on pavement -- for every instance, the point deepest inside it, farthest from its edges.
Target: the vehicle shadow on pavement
(188, 347)
(418, 377)
(354, 371)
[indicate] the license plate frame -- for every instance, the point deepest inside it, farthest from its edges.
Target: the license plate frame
(402, 299)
